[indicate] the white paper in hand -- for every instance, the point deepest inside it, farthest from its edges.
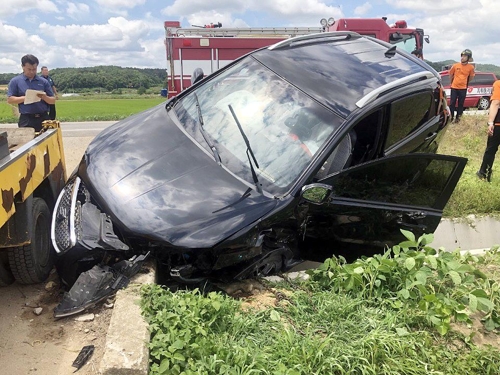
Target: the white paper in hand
(31, 96)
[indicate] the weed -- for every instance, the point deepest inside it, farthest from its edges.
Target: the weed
(386, 314)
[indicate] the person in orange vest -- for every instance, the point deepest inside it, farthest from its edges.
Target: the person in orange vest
(460, 75)
(493, 142)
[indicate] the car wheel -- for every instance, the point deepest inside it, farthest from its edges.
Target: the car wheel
(6, 277)
(484, 103)
(32, 263)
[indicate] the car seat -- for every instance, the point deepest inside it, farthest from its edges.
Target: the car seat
(340, 157)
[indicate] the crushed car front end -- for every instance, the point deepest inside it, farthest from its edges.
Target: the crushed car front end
(212, 183)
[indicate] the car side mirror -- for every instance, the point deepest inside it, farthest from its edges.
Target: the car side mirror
(316, 193)
(426, 38)
(197, 75)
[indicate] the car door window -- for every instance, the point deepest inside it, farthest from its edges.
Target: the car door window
(407, 115)
(416, 180)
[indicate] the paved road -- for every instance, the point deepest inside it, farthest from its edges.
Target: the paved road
(77, 129)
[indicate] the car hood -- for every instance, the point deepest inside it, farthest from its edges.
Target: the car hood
(156, 182)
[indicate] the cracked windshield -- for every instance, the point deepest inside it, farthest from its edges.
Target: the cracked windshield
(285, 128)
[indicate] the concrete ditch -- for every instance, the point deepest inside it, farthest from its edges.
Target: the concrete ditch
(127, 353)
(468, 234)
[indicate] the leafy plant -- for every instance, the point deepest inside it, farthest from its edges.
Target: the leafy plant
(386, 314)
(445, 286)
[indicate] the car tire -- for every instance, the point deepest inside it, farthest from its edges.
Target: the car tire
(484, 103)
(32, 263)
(6, 276)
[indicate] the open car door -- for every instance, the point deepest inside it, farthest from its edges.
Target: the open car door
(370, 203)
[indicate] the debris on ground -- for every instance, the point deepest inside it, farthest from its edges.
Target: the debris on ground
(98, 284)
(83, 357)
(38, 311)
(85, 318)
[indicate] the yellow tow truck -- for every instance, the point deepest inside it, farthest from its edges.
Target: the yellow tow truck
(32, 173)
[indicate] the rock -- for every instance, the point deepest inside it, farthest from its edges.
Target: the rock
(86, 330)
(50, 285)
(38, 311)
(85, 318)
(108, 305)
(298, 275)
(273, 279)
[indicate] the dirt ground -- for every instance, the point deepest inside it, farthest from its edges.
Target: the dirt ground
(40, 344)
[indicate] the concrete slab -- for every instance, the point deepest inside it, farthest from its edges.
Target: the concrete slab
(126, 351)
(467, 234)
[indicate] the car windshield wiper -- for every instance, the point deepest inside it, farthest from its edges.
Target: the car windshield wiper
(248, 152)
(202, 131)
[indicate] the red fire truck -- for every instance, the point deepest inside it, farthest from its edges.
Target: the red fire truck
(210, 47)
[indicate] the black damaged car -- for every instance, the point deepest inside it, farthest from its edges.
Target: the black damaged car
(296, 151)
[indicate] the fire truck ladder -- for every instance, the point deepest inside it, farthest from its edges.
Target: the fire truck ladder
(250, 31)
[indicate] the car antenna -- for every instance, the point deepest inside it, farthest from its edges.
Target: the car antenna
(390, 52)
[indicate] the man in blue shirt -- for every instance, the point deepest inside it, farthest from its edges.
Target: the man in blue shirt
(45, 74)
(33, 114)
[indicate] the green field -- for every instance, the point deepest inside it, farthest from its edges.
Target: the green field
(90, 109)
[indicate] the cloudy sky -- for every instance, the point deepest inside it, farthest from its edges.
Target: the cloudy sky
(130, 33)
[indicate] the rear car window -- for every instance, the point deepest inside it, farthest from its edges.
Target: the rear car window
(480, 79)
(407, 115)
(483, 79)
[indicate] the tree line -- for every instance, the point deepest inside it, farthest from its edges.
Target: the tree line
(106, 77)
(490, 68)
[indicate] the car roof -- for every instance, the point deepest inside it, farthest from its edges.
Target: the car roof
(339, 71)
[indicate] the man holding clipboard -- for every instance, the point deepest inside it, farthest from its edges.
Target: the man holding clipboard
(32, 94)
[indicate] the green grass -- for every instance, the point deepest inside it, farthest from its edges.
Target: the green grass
(100, 110)
(471, 196)
(404, 312)
(7, 113)
(91, 109)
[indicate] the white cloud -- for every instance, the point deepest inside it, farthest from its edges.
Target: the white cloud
(77, 10)
(119, 34)
(453, 26)
(187, 7)
(151, 55)
(290, 12)
(433, 6)
(10, 66)
(362, 9)
(113, 4)
(15, 39)
(10, 8)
